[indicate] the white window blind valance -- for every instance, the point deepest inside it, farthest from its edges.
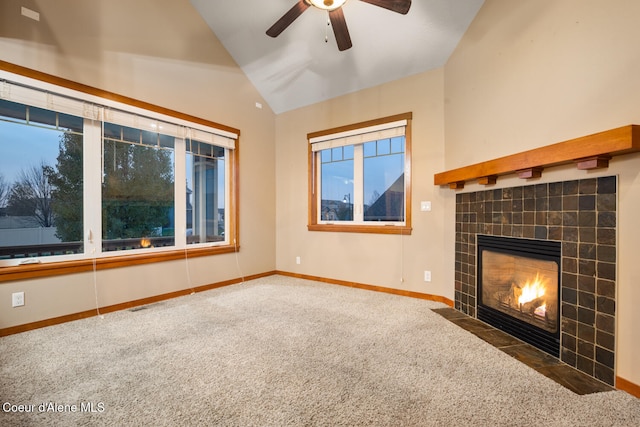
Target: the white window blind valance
(125, 118)
(116, 114)
(359, 136)
(211, 138)
(47, 100)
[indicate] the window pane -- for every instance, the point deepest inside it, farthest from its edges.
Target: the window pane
(137, 194)
(384, 187)
(397, 144)
(42, 117)
(150, 138)
(13, 111)
(370, 149)
(41, 204)
(166, 141)
(112, 131)
(131, 134)
(326, 156)
(348, 152)
(67, 122)
(336, 154)
(205, 194)
(384, 147)
(337, 191)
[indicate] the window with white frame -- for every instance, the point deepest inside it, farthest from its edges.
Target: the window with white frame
(86, 177)
(360, 177)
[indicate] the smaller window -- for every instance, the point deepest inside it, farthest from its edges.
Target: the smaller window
(359, 177)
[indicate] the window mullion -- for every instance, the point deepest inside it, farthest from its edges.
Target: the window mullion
(200, 183)
(180, 195)
(92, 188)
(318, 183)
(358, 183)
(228, 196)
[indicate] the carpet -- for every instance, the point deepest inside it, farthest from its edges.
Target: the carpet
(279, 351)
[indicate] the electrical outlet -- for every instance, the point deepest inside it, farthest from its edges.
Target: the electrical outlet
(298, 260)
(17, 299)
(427, 276)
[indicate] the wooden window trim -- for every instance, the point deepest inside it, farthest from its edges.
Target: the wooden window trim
(55, 268)
(312, 220)
(90, 90)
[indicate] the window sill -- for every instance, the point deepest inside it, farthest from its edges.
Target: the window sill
(32, 271)
(370, 229)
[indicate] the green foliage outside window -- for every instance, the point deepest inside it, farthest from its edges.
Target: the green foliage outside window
(137, 193)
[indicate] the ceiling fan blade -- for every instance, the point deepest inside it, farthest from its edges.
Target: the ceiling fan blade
(400, 6)
(340, 29)
(286, 20)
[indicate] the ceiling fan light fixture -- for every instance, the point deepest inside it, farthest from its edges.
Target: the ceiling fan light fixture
(327, 4)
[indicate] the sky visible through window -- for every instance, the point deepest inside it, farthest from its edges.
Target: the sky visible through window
(382, 168)
(25, 146)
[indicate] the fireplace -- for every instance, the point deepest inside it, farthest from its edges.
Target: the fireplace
(519, 288)
(581, 216)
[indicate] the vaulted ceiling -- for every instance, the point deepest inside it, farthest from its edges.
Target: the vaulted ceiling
(299, 68)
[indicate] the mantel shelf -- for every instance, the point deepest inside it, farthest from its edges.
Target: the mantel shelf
(587, 152)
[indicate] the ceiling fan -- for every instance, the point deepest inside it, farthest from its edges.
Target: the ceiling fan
(336, 16)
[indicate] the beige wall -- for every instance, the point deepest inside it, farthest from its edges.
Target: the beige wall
(527, 73)
(162, 52)
(530, 73)
(374, 259)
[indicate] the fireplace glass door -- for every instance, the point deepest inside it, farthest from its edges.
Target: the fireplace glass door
(519, 288)
(522, 287)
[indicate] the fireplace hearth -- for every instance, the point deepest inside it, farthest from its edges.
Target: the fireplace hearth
(518, 289)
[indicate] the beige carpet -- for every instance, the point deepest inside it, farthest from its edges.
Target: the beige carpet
(283, 352)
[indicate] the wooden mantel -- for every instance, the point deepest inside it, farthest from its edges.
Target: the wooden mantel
(587, 152)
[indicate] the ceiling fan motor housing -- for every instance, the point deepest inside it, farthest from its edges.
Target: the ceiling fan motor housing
(326, 4)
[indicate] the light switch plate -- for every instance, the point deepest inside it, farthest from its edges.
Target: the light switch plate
(425, 206)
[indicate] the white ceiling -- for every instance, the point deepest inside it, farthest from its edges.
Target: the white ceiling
(298, 68)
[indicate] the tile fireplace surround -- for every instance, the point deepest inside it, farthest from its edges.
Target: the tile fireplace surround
(581, 214)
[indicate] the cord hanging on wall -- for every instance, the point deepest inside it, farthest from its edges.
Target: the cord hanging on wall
(326, 33)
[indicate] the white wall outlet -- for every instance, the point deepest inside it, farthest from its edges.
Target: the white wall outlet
(17, 299)
(298, 260)
(425, 206)
(427, 276)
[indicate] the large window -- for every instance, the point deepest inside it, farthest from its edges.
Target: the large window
(359, 177)
(83, 177)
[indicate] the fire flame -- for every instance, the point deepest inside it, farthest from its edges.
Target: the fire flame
(532, 290)
(541, 311)
(145, 243)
